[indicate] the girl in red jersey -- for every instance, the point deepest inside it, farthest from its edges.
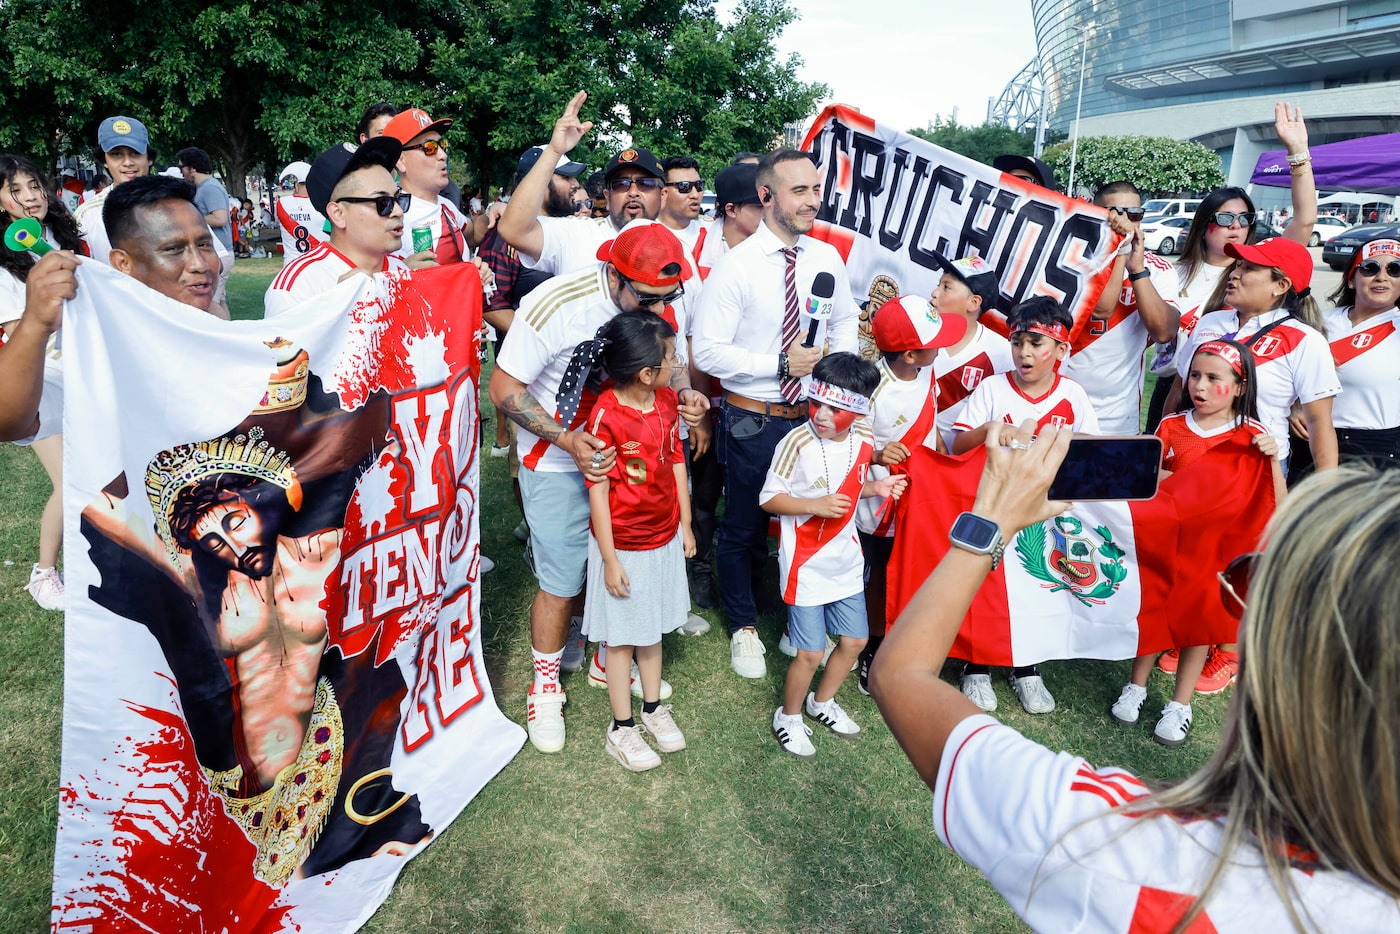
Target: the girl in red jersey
(640, 530)
(1220, 386)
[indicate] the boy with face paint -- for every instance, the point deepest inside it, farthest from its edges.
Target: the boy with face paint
(1033, 389)
(819, 471)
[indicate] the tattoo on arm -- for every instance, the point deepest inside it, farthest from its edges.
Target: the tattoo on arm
(526, 411)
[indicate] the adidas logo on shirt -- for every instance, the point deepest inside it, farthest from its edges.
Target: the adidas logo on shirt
(901, 420)
(819, 483)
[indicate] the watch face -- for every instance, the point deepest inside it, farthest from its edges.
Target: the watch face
(976, 532)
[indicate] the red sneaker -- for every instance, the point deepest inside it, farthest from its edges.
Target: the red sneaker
(1219, 673)
(1168, 661)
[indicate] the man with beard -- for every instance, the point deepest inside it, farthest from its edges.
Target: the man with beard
(751, 336)
(634, 182)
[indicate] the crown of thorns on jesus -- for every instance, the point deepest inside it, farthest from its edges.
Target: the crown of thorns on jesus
(173, 472)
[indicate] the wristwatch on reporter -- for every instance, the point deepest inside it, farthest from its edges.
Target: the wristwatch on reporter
(973, 533)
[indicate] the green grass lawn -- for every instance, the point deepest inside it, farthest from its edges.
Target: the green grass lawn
(730, 834)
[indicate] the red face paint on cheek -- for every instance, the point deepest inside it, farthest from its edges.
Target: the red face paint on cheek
(1222, 389)
(843, 419)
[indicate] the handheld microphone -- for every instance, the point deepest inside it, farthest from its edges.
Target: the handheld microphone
(819, 304)
(26, 234)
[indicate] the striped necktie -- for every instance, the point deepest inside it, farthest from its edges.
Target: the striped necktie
(792, 387)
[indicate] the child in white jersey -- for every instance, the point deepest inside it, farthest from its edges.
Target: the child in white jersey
(1034, 390)
(903, 412)
(967, 289)
(818, 473)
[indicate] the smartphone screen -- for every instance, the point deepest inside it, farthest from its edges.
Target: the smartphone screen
(1109, 468)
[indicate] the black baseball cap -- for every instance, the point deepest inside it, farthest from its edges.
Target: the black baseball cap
(636, 157)
(1010, 163)
(975, 273)
(565, 166)
(737, 184)
(342, 159)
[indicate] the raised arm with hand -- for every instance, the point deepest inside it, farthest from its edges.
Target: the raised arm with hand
(520, 224)
(920, 707)
(1293, 133)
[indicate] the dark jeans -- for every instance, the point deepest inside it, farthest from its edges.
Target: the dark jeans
(706, 485)
(746, 445)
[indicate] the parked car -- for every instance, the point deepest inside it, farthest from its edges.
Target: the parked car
(1164, 235)
(1172, 207)
(1326, 229)
(707, 205)
(1337, 251)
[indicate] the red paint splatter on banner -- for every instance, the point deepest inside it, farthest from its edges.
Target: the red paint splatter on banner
(171, 859)
(431, 308)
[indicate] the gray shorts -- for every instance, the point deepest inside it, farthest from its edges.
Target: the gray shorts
(556, 509)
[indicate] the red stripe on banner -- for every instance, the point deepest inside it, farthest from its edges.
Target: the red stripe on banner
(814, 533)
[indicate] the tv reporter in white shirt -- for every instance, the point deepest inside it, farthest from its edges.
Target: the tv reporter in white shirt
(737, 338)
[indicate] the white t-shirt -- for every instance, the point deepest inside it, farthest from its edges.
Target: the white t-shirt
(447, 224)
(739, 320)
(1190, 296)
(303, 227)
(687, 235)
(1367, 357)
(1292, 362)
(900, 410)
(1031, 821)
(819, 560)
(570, 243)
(712, 247)
(997, 398)
(312, 274)
(958, 375)
(550, 322)
(1107, 356)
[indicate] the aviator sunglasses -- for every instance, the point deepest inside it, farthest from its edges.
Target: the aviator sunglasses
(383, 204)
(646, 184)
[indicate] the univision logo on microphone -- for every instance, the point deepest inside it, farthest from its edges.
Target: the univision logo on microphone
(820, 307)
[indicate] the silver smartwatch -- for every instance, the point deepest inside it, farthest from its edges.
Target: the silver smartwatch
(971, 532)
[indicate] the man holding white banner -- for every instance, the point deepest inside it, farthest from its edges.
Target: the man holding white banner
(769, 312)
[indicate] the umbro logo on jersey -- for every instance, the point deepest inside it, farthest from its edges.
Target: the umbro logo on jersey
(1361, 341)
(1171, 452)
(819, 483)
(971, 376)
(631, 447)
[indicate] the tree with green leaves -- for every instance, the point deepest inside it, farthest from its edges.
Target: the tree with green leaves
(1159, 166)
(261, 84)
(982, 143)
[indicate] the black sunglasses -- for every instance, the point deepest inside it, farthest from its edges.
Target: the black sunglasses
(1372, 267)
(1134, 214)
(646, 183)
(687, 187)
(384, 204)
(1227, 219)
(646, 301)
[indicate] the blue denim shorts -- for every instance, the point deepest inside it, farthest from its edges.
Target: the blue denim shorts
(808, 625)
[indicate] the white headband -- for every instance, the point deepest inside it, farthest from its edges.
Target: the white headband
(839, 398)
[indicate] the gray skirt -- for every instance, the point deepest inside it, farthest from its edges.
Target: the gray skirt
(659, 601)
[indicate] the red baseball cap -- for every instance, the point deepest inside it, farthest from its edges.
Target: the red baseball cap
(911, 323)
(1287, 256)
(645, 251)
(412, 122)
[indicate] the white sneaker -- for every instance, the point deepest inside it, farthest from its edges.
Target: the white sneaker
(575, 645)
(694, 625)
(978, 689)
(627, 746)
(598, 678)
(663, 726)
(829, 713)
(46, 587)
(792, 734)
(544, 718)
(1175, 724)
(499, 450)
(746, 654)
(487, 565)
(787, 648)
(1129, 704)
(1035, 698)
